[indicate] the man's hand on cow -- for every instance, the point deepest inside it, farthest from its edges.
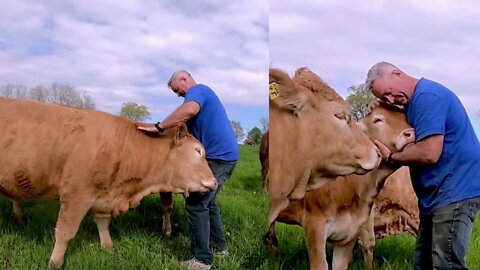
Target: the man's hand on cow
(375, 103)
(148, 129)
(384, 151)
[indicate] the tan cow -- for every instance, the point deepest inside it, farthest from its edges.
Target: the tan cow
(92, 162)
(263, 156)
(394, 212)
(336, 211)
(312, 139)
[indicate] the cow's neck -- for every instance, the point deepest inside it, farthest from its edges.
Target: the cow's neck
(130, 185)
(375, 182)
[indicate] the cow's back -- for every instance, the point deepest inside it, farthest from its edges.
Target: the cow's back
(39, 141)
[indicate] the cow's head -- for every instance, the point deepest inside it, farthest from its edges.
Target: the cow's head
(389, 125)
(187, 166)
(322, 119)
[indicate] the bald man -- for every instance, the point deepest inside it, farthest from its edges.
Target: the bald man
(444, 163)
(208, 122)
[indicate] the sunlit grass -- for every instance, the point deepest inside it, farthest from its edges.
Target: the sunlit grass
(138, 242)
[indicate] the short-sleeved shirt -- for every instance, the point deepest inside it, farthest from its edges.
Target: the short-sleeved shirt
(436, 110)
(211, 125)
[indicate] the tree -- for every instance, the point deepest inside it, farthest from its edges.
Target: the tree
(11, 90)
(265, 124)
(134, 112)
(39, 93)
(238, 130)
(65, 94)
(58, 93)
(87, 101)
(358, 100)
(255, 134)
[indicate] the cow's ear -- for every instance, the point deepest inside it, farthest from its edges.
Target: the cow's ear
(307, 79)
(182, 132)
(284, 93)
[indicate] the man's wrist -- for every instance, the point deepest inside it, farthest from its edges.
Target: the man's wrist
(390, 160)
(159, 128)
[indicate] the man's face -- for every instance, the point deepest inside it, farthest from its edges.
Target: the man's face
(389, 88)
(178, 87)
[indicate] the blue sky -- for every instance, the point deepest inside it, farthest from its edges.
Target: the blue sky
(341, 40)
(121, 51)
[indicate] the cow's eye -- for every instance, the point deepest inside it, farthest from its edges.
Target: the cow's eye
(341, 116)
(377, 120)
(349, 118)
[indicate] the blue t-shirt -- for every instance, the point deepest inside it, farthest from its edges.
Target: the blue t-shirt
(211, 125)
(435, 110)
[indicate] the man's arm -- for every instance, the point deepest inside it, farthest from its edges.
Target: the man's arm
(186, 111)
(182, 114)
(426, 151)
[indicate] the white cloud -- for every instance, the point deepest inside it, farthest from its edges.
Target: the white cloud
(121, 51)
(341, 40)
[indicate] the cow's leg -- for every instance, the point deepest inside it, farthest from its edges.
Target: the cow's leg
(276, 205)
(265, 176)
(167, 205)
(271, 241)
(17, 210)
(367, 239)
(69, 218)
(316, 242)
(103, 221)
(342, 255)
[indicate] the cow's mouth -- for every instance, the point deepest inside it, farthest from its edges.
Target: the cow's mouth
(210, 185)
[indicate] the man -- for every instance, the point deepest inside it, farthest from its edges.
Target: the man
(444, 164)
(208, 122)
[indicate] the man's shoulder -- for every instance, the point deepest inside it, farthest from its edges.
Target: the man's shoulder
(202, 88)
(426, 86)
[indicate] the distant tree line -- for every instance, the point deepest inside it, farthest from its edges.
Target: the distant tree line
(66, 94)
(56, 93)
(254, 135)
(134, 111)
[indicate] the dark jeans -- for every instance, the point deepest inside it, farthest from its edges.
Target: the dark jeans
(443, 237)
(204, 216)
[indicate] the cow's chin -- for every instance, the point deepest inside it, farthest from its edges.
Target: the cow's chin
(369, 164)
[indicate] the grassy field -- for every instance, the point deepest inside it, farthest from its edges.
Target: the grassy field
(138, 242)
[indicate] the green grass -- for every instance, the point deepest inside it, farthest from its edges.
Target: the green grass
(138, 243)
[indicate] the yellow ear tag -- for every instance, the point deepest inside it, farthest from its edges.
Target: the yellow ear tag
(273, 90)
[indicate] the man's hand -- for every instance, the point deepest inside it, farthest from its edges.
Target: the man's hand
(372, 105)
(384, 151)
(151, 129)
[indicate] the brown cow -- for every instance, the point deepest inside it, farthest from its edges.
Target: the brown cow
(263, 156)
(312, 139)
(394, 211)
(249, 142)
(92, 162)
(336, 211)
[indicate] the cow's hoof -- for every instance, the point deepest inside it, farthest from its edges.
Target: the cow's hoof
(54, 266)
(167, 236)
(271, 242)
(273, 251)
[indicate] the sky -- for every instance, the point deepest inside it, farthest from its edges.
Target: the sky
(125, 51)
(341, 40)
